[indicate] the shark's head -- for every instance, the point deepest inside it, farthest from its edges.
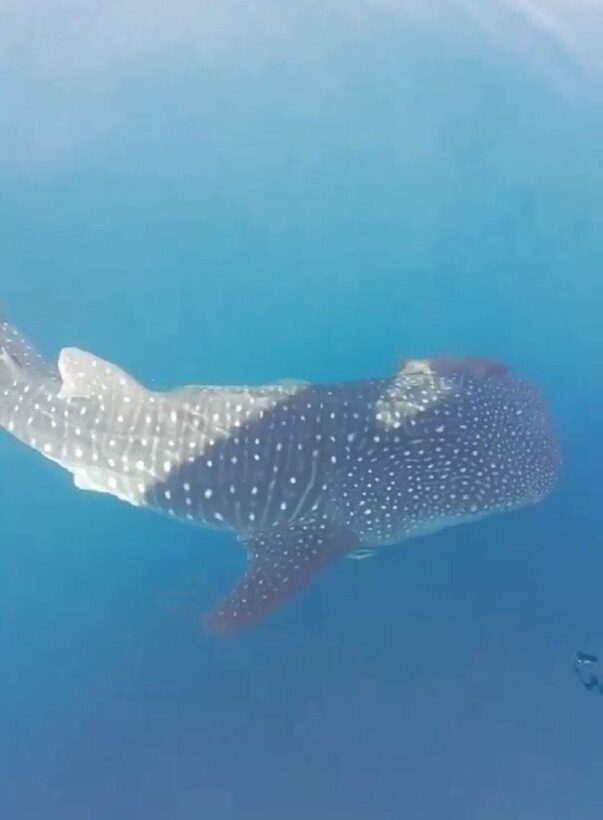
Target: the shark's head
(472, 440)
(506, 446)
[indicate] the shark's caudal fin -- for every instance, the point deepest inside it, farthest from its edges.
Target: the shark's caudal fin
(21, 366)
(281, 563)
(19, 354)
(80, 414)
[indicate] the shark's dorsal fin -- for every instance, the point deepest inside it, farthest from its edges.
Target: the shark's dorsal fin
(281, 563)
(85, 375)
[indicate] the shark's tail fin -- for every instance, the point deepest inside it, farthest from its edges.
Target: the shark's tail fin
(21, 367)
(19, 355)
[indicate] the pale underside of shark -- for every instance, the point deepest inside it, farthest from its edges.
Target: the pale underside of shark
(303, 473)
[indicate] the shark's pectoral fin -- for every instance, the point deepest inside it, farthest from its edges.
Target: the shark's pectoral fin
(86, 376)
(281, 563)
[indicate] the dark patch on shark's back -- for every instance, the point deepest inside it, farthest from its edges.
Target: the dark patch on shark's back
(271, 468)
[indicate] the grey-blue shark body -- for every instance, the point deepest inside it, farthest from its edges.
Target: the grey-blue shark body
(303, 473)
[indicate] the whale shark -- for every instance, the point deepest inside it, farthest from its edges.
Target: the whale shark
(303, 473)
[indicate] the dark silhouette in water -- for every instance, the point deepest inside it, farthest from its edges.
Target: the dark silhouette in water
(592, 683)
(303, 473)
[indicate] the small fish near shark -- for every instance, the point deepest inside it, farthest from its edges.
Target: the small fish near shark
(303, 473)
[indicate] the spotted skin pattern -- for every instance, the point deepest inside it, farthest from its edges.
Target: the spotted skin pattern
(302, 473)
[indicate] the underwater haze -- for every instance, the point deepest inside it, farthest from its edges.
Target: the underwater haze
(241, 193)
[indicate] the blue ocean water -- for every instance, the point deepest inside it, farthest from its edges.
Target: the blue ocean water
(316, 216)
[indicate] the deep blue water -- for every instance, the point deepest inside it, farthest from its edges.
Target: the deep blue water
(317, 218)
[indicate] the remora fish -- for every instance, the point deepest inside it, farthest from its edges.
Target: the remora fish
(303, 473)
